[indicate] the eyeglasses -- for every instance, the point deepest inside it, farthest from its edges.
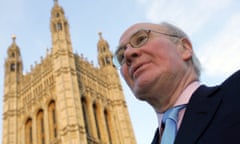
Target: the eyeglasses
(137, 40)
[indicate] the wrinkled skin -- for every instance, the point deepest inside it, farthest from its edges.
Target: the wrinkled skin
(158, 71)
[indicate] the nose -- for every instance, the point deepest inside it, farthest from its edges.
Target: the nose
(131, 54)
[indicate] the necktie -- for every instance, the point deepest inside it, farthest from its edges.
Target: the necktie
(170, 119)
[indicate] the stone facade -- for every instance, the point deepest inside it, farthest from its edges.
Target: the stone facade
(64, 99)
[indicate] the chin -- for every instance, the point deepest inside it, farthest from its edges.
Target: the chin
(141, 94)
(141, 98)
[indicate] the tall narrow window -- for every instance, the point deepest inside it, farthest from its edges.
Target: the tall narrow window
(52, 120)
(13, 54)
(40, 128)
(28, 132)
(107, 121)
(57, 14)
(59, 26)
(96, 120)
(85, 115)
(12, 67)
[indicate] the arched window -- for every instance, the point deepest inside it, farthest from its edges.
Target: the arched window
(58, 26)
(85, 115)
(107, 121)
(96, 120)
(12, 67)
(52, 120)
(12, 54)
(57, 14)
(28, 132)
(40, 128)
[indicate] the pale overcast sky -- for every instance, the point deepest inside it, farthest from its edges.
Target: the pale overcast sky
(212, 25)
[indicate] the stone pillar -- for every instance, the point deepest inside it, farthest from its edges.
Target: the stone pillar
(112, 127)
(46, 125)
(34, 128)
(102, 123)
(90, 111)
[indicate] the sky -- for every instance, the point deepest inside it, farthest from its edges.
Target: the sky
(213, 27)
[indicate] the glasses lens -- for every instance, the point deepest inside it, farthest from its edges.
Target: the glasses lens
(139, 39)
(115, 62)
(118, 59)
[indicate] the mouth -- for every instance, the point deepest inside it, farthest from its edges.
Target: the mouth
(134, 71)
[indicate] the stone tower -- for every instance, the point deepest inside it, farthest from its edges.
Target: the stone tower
(64, 99)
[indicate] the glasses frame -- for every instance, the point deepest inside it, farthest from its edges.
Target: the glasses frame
(117, 63)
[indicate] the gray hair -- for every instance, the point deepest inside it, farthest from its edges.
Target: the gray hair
(171, 29)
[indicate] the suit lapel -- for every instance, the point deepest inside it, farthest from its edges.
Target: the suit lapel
(156, 137)
(199, 113)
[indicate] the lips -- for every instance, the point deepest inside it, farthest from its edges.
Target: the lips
(135, 69)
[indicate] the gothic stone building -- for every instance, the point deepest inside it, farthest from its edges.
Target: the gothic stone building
(64, 99)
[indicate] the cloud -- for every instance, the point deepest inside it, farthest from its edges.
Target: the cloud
(221, 55)
(189, 15)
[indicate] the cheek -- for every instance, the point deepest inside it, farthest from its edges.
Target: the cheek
(165, 54)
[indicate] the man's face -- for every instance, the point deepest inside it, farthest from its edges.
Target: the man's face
(154, 67)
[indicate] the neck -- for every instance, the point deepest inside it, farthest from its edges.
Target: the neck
(163, 102)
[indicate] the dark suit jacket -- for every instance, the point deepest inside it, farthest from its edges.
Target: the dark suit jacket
(212, 115)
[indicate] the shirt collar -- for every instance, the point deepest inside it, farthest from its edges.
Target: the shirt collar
(183, 98)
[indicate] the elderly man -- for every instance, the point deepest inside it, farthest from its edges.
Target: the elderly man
(159, 65)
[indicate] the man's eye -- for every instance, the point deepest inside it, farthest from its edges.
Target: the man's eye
(120, 55)
(139, 40)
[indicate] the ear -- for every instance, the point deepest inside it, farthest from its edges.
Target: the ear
(186, 50)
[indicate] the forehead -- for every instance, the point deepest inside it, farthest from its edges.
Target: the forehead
(136, 27)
